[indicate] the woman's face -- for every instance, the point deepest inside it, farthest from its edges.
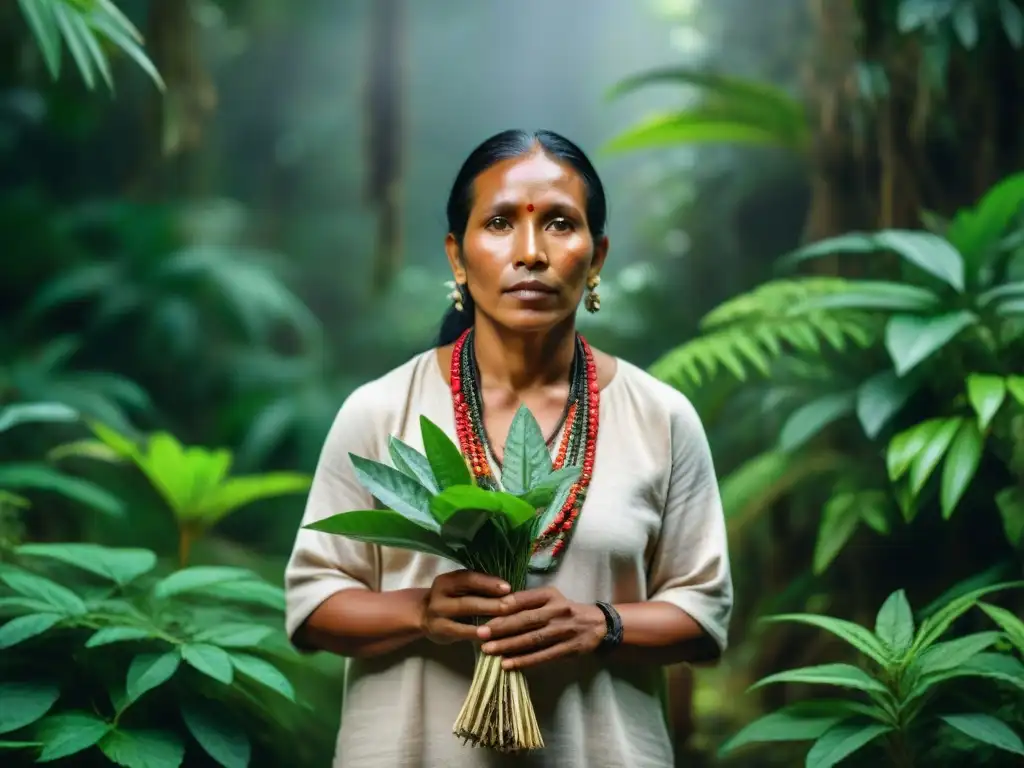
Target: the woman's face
(528, 249)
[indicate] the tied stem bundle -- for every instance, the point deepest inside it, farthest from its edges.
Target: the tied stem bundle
(432, 504)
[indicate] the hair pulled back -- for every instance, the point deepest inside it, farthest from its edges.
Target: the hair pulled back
(505, 146)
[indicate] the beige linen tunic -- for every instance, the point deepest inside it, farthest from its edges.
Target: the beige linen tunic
(651, 529)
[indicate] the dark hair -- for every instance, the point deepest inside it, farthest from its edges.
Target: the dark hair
(504, 146)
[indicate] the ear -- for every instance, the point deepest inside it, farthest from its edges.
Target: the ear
(451, 247)
(600, 254)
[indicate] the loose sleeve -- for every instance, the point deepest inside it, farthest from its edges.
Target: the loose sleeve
(690, 567)
(322, 564)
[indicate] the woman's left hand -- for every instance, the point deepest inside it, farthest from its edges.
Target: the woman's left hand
(541, 625)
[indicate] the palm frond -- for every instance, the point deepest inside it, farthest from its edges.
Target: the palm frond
(730, 110)
(750, 332)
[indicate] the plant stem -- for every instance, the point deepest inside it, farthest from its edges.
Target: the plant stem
(184, 545)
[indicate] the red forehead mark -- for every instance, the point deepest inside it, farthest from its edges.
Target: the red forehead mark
(529, 207)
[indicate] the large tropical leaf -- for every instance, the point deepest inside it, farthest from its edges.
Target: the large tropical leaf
(926, 251)
(730, 110)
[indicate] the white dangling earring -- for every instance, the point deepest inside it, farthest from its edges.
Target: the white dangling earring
(455, 295)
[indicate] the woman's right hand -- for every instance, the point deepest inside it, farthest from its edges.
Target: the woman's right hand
(456, 597)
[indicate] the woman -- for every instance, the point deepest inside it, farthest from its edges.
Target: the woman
(644, 580)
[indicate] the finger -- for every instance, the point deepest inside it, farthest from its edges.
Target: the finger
(545, 637)
(449, 630)
(472, 583)
(543, 656)
(527, 600)
(467, 607)
(518, 623)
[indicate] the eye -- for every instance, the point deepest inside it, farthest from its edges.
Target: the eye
(561, 224)
(499, 224)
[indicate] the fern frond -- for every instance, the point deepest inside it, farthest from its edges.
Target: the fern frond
(748, 333)
(776, 297)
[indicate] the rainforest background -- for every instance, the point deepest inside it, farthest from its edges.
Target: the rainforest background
(217, 218)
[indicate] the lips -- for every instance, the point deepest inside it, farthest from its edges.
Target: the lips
(531, 287)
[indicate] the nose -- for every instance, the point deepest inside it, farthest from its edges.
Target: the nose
(531, 255)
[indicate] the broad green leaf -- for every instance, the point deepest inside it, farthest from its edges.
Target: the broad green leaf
(43, 23)
(932, 453)
(199, 578)
(987, 730)
(143, 749)
(808, 420)
(237, 492)
(109, 635)
(965, 24)
(991, 666)
(872, 295)
(905, 447)
(803, 721)
(248, 592)
(841, 741)
(929, 252)
(961, 465)
(1013, 23)
(502, 506)
(396, 491)
(263, 673)
(842, 675)
(542, 494)
(526, 460)
(1011, 508)
(23, 628)
(119, 565)
(544, 519)
(697, 125)
(150, 670)
(976, 231)
(39, 477)
(986, 394)
(219, 735)
(412, 463)
(1015, 386)
(912, 339)
(50, 592)
(839, 521)
(894, 624)
(935, 626)
(953, 653)
(210, 660)
(25, 703)
(1011, 625)
(35, 413)
(880, 398)
(447, 463)
(234, 635)
(1002, 292)
(859, 637)
(68, 734)
(462, 526)
(385, 528)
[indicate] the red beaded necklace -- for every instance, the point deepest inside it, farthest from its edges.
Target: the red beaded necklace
(576, 448)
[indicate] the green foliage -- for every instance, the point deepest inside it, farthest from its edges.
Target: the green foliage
(145, 660)
(747, 333)
(730, 110)
(194, 482)
(903, 691)
(953, 327)
(433, 505)
(86, 27)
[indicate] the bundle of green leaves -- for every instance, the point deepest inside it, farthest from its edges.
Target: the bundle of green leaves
(432, 504)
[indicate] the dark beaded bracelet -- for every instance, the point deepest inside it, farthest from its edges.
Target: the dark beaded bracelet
(613, 632)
